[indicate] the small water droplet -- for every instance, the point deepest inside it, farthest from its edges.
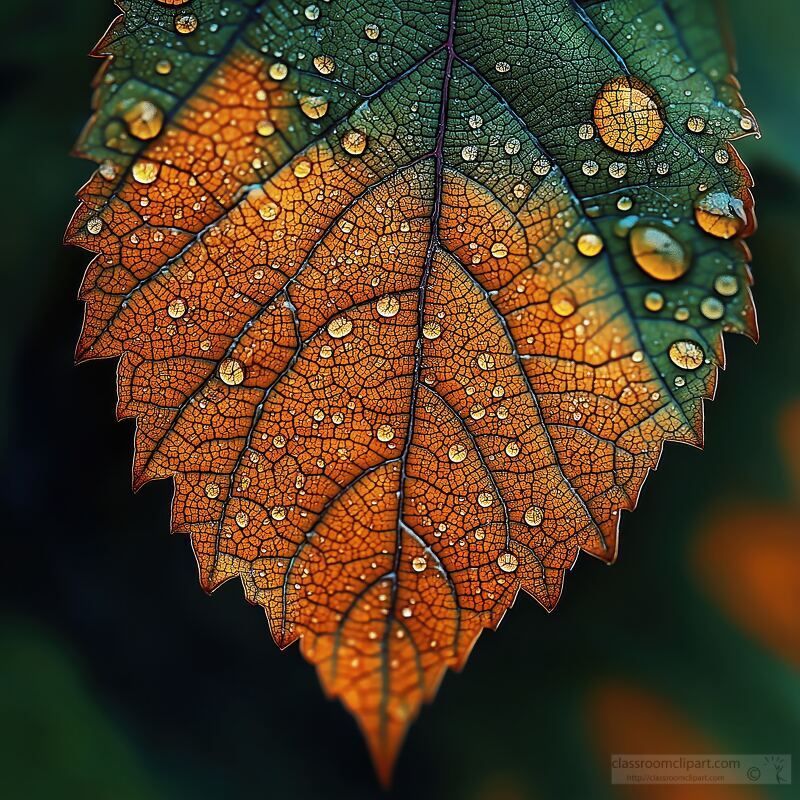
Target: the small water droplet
(324, 64)
(727, 285)
(177, 308)
(507, 562)
(686, 354)
(589, 245)
(385, 433)
(354, 142)
(339, 327)
(388, 306)
(457, 453)
(231, 371)
(534, 516)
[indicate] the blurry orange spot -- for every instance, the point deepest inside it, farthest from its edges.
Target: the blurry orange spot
(627, 719)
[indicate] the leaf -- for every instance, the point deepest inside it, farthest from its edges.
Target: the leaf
(407, 298)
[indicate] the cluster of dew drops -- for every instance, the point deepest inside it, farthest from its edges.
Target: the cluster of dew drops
(628, 118)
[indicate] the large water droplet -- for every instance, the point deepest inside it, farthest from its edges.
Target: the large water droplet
(627, 115)
(658, 253)
(721, 215)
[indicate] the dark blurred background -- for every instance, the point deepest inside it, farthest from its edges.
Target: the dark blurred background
(120, 679)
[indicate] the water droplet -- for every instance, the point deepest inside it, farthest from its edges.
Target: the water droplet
(586, 131)
(720, 215)
(696, 124)
(726, 285)
(354, 142)
(388, 306)
(590, 168)
(268, 211)
(94, 225)
(163, 67)
(686, 354)
(512, 449)
(419, 564)
(326, 351)
(385, 433)
(534, 516)
(177, 308)
(431, 330)
(624, 203)
(314, 107)
(242, 519)
(627, 115)
(617, 169)
(312, 12)
(278, 71)
(231, 372)
(339, 327)
(278, 513)
(302, 168)
(485, 361)
(722, 156)
(563, 303)
(457, 453)
(279, 440)
(475, 121)
(507, 562)
(469, 152)
(654, 301)
(144, 120)
(681, 313)
(185, 23)
(502, 66)
(541, 166)
(324, 64)
(372, 31)
(145, 171)
(499, 250)
(658, 253)
(212, 490)
(485, 499)
(589, 244)
(712, 308)
(265, 127)
(512, 146)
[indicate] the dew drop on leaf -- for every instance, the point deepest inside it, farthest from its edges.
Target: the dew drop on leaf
(658, 252)
(686, 354)
(627, 115)
(231, 371)
(507, 562)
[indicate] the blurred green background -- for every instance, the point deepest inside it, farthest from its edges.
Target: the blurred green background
(120, 679)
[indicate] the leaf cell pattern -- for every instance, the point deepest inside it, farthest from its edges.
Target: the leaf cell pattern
(408, 296)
